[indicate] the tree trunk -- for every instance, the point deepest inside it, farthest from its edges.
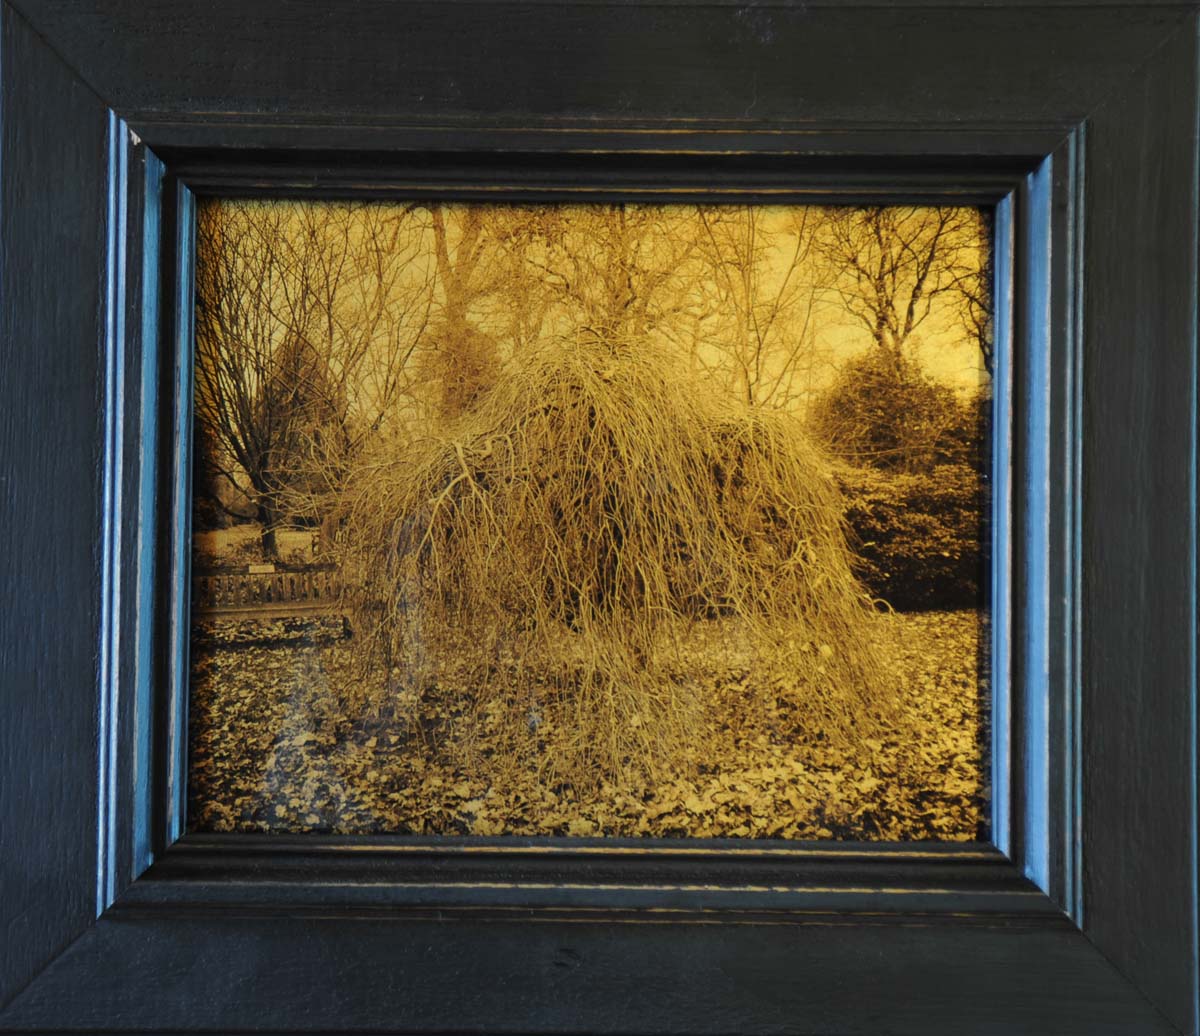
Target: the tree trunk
(267, 520)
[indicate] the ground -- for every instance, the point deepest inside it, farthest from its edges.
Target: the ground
(267, 756)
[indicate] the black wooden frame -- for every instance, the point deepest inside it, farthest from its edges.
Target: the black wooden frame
(1078, 119)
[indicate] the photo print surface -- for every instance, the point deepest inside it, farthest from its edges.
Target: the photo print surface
(591, 520)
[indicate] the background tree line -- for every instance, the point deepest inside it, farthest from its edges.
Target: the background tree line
(326, 330)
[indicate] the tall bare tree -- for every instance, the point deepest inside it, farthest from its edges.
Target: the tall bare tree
(304, 322)
(759, 298)
(975, 302)
(617, 270)
(463, 359)
(893, 269)
(891, 266)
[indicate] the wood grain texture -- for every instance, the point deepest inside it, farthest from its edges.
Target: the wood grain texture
(52, 208)
(594, 65)
(1139, 525)
(315, 975)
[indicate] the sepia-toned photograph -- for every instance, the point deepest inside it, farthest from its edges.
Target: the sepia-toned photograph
(607, 520)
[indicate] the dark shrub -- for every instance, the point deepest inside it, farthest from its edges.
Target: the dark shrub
(883, 411)
(921, 540)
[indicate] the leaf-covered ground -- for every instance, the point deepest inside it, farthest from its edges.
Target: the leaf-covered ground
(267, 755)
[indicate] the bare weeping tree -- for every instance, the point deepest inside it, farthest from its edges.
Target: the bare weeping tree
(305, 318)
(560, 549)
(555, 546)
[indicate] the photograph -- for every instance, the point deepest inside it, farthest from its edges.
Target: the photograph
(591, 520)
(600, 518)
